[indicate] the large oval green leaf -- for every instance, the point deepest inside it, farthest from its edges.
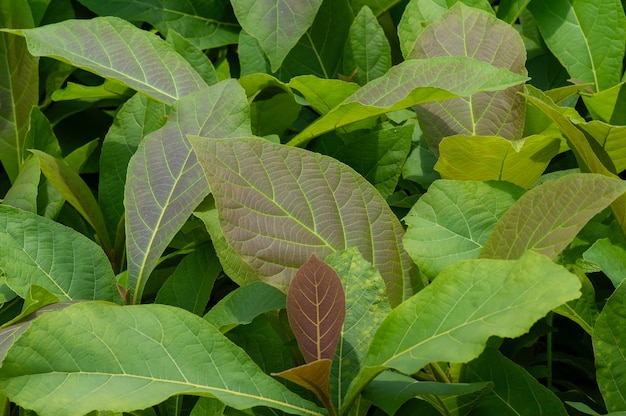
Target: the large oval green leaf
(165, 182)
(279, 204)
(137, 357)
(38, 251)
(114, 48)
(452, 318)
(465, 31)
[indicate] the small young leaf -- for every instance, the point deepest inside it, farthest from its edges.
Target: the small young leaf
(138, 357)
(442, 322)
(495, 158)
(609, 344)
(23, 193)
(547, 218)
(610, 257)
(313, 376)
(323, 94)
(196, 58)
(316, 306)
(302, 203)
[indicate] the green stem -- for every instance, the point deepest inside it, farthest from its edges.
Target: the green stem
(439, 373)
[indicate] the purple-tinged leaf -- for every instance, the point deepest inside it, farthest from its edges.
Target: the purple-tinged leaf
(313, 377)
(316, 306)
(279, 204)
(165, 183)
(547, 218)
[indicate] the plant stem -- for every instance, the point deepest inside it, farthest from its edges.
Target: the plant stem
(440, 375)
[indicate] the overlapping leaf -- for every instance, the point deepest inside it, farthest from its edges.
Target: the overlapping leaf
(410, 83)
(465, 31)
(547, 218)
(495, 158)
(202, 22)
(18, 86)
(611, 138)
(610, 257)
(588, 37)
(276, 24)
(453, 220)
(38, 251)
(114, 48)
(452, 318)
(609, 344)
(165, 182)
(280, 204)
(139, 356)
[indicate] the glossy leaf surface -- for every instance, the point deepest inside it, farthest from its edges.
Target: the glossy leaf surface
(276, 232)
(547, 218)
(186, 355)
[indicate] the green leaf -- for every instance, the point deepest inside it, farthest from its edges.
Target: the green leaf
(198, 60)
(316, 307)
(377, 6)
(452, 318)
(165, 182)
(251, 56)
(609, 344)
(276, 24)
(466, 31)
(135, 361)
(494, 158)
(88, 43)
(135, 119)
(108, 90)
(317, 52)
(587, 37)
(282, 229)
(19, 79)
(244, 304)
(23, 193)
(410, 83)
(367, 50)
(377, 154)
(366, 308)
(390, 390)
(201, 22)
(511, 10)
(584, 310)
(418, 14)
(547, 218)
(76, 192)
(607, 105)
(515, 391)
(610, 257)
(190, 286)
(37, 298)
(38, 251)
(453, 220)
(314, 377)
(611, 138)
(323, 94)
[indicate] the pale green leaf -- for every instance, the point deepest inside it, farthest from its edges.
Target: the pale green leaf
(609, 344)
(108, 90)
(279, 204)
(547, 218)
(38, 251)
(377, 154)
(584, 310)
(18, 86)
(485, 158)
(611, 138)
(468, 32)
(515, 391)
(189, 286)
(135, 119)
(323, 94)
(588, 37)
(76, 192)
(23, 193)
(202, 22)
(141, 60)
(139, 356)
(409, 83)
(418, 14)
(452, 318)
(610, 257)
(165, 182)
(367, 49)
(366, 308)
(244, 304)
(276, 24)
(198, 60)
(453, 220)
(251, 56)
(607, 105)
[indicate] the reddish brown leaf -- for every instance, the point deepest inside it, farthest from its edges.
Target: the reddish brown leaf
(314, 377)
(316, 306)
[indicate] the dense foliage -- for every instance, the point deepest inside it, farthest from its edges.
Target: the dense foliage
(255, 207)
